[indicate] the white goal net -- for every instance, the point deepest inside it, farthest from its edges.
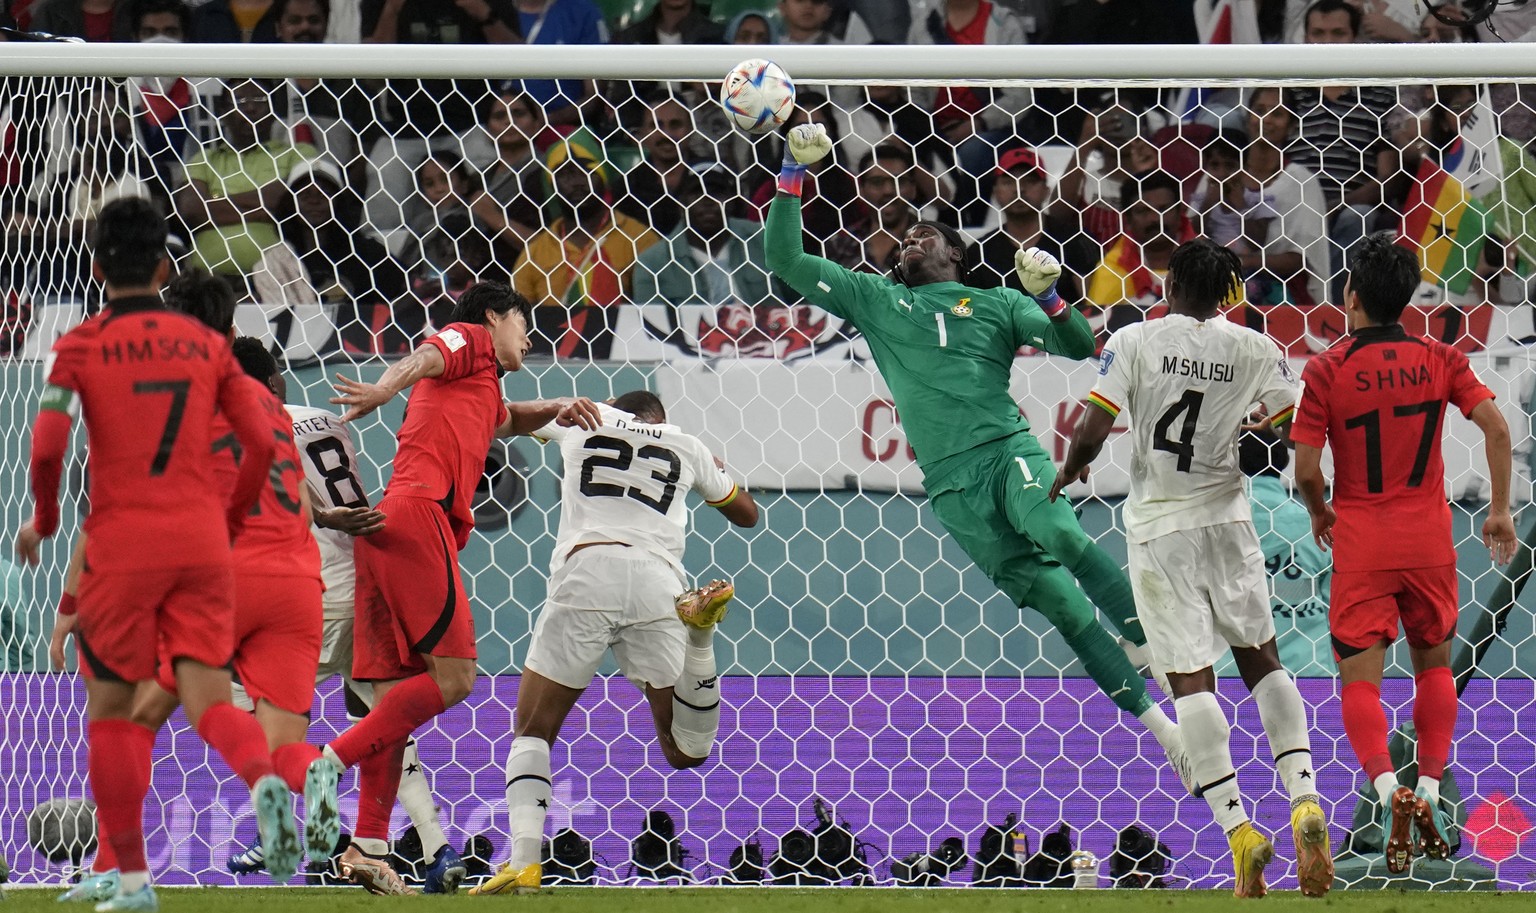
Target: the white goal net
(867, 663)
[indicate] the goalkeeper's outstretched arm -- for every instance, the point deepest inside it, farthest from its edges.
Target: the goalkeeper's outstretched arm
(821, 281)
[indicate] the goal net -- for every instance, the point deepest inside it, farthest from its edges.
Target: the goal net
(868, 664)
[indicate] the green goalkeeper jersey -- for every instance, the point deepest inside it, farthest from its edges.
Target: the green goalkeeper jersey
(945, 350)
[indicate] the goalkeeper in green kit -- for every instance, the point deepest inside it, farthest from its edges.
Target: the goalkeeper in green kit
(946, 350)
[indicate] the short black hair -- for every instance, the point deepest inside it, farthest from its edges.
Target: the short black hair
(1334, 6)
(954, 239)
(142, 8)
(130, 241)
(1260, 453)
(255, 359)
(1229, 142)
(1203, 273)
(643, 405)
(1384, 274)
(490, 296)
(1142, 183)
(203, 296)
(280, 7)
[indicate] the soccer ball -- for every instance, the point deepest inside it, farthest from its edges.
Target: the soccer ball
(63, 829)
(758, 96)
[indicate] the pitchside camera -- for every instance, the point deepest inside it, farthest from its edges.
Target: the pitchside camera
(828, 854)
(1139, 860)
(920, 870)
(657, 853)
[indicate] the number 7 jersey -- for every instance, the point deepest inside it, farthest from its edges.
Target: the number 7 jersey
(1188, 386)
(1377, 397)
(627, 482)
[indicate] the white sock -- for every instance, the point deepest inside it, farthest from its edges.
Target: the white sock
(1285, 725)
(1431, 787)
(1165, 730)
(1207, 736)
(1385, 785)
(129, 882)
(696, 697)
(330, 755)
(416, 795)
(528, 796)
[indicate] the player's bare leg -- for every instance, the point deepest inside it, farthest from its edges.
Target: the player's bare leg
(1365, 723)
(542, 707)
(1285, 726)
(1207, 737)
(1434, 720)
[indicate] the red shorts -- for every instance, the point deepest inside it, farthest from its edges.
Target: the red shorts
(277, 641)
(127, 620)
(410, 595)
(1364, 607)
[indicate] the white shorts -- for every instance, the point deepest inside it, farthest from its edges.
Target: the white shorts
(610, 596)
(335, 659)
(1194, 584)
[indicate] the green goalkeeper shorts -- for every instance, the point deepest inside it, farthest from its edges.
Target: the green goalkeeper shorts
(987, 497)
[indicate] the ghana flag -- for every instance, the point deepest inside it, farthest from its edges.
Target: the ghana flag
(1445, 218)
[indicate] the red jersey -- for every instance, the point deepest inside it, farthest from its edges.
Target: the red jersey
(276, 539)
(450, 421)
(1378, 397)
(148, 381)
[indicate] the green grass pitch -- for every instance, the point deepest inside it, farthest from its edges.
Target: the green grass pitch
(793, 900)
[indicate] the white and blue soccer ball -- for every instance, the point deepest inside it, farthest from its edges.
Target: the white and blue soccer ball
(758, 96)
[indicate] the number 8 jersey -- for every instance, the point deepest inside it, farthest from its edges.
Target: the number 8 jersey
(330, 467)
(627, 482)
(1189, 385)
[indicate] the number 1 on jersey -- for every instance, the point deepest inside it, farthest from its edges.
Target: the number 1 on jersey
(943, 333)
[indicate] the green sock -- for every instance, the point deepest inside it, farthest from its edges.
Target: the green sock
(1111, 671)
(1109, 590)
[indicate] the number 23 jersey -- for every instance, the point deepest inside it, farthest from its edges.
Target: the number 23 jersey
(627, 481)
(1188, 385)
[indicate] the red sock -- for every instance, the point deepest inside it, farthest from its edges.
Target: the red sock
(292, 762)
(402, 711)
(378, 780)
(1365, 722)
(1434, 716)
(106, 858)
(238, 739)
(119, 781)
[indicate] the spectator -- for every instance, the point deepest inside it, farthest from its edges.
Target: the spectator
(751, 27)
(164, 106)
(885, 114)
(166, 21)
(1446, 23)
(1129, 279)
(1376, 20)
(324, 113)
(805, 22)
(1019, 194)
(93, 20)
(835, 187)
(975, 121)
(235, 185)
(673, 22)
(560, 22)
(668, 151)
(876, 21)
(445, 184)
(1285, 255)
(420, 116)
(586, 255)
(98, 162)
(875, 236)
(1125, 22)
(710, 258)
(456, 255)
(1218, 198)
(344, 266)
(235, 21)
(1111, 149)
(508, 206)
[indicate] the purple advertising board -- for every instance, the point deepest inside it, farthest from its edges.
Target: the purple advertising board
(906, 762)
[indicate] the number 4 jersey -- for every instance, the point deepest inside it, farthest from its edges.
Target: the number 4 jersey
(627, 482)
(330, 466)
(1188, 386)
(1377, 398)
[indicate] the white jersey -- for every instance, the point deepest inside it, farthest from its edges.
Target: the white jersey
(626, 482)
(1189, 386)
(330, 468)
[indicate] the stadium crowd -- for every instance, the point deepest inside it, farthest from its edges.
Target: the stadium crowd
(384, 201)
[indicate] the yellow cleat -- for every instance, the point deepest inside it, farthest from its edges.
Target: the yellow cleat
(526, 880)
(1314, 855)
(1251, 852)
(705, 606)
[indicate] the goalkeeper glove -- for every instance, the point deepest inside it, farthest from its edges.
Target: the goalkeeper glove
(805, 145)
(1038, 272)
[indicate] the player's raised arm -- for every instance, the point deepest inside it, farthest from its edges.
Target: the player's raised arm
(362, 398)
(569, 412)
(1499, 528)
(1054, 325)
(822, 282)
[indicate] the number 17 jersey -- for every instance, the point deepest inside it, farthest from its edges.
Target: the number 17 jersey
(1188, 386)
(1377, 397)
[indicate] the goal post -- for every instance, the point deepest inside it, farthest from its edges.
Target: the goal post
(867, 663)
